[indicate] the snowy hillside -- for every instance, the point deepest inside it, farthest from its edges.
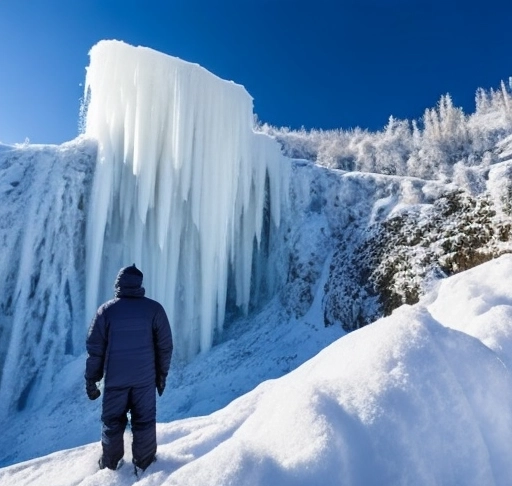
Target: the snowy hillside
(263, 261)
(421, 397)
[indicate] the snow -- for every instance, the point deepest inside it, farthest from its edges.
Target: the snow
(479, 305)
(406, 400)
(180, 186)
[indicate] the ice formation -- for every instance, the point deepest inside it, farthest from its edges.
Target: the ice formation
(181, 188)
(44, 192)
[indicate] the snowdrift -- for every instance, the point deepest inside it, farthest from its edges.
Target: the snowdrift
(411, 399)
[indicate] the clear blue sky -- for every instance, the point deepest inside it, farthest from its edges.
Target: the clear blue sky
(316, 63)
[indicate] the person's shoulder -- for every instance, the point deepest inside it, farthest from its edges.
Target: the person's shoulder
(106, 305)
(153, 304)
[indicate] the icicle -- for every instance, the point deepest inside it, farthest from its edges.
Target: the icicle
(179, 187)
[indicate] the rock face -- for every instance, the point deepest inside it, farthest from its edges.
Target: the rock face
(417, 201)
(396, 259)
(371, 242)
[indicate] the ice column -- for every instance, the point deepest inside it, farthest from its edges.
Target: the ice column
(179, 186)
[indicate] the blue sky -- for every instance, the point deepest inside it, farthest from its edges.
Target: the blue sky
(318, 63)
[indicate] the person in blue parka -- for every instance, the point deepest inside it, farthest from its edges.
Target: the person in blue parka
(129, 344)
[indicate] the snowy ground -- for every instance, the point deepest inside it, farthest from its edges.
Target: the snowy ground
(252, 351)
(421, 397)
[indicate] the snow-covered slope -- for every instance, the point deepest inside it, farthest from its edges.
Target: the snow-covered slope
(406, 400)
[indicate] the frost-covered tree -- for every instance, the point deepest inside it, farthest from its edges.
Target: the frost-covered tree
(428, 148)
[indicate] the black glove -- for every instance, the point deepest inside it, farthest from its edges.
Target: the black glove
(92, 390)
(160, 384)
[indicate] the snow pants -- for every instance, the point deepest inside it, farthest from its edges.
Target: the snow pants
(141, 403)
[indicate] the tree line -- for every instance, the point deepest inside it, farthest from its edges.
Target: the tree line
(445, 144)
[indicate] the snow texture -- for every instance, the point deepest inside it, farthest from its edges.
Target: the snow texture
(403, 401)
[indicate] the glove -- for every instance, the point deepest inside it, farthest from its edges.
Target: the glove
(92, 390)
(160, 384)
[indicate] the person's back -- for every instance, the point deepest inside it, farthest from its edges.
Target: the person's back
(131, 350)
(130, 345)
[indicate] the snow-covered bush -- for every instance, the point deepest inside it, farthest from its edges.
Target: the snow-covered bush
(399, 257)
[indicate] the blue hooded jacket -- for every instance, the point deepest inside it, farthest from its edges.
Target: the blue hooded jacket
(129, 340)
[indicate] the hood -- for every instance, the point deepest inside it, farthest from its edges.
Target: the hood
(129, 282)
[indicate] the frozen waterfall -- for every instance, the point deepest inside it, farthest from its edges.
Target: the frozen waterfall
(169, 175)
(44, 192)
(181, 188)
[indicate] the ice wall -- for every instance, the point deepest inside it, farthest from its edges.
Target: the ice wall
(44, 194)
(181, 186)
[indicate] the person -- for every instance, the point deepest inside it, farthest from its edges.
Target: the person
(129, 344)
